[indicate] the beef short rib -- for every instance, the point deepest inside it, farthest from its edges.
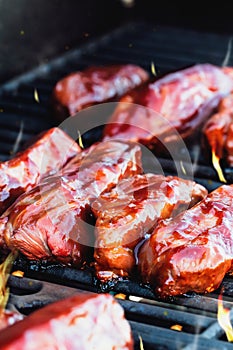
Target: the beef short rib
(130, 211)
(94, 85)
(193, 251)
(177, 105)
(218, 131)
(51, 150)
(50, 222)
(84, 321)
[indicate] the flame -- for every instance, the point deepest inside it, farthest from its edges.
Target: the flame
(80, 141)
(217, 167)
(5, 268)
(153, 70)
(135, 298)
(183, 168)
(177, 327)
(36, 96)
(224, 319)
(120, 296)
(18, 273)
(141, 343)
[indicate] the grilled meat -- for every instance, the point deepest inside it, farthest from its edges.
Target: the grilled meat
(193, 251)
(218, 131)
(49, 222)
(95, 85)
(177, 105)
(85, 321)
(48, 154)
(130, 211)
(8, 318)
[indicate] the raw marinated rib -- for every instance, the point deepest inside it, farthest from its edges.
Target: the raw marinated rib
(95, 85)
(193, 251)
(218, 130)
(48, 154)
(84, 321)
(185, 99)
(49, 222)
(131, 210)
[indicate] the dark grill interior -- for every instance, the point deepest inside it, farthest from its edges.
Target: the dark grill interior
(22, 117)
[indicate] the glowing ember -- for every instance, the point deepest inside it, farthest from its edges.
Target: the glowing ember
(36, 96)
(217, 167)
(141, 343)
(5, 268)
(224, 319)
(177, 327)
(18, 273)
(153, 70)
(80, 141)
(134, 298)
(120, 296)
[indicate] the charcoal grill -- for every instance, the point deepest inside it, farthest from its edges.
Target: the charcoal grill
(22, 116)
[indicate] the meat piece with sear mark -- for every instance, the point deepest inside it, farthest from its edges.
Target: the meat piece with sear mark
(48, 153)
(172, 107)
(51, 222)
(94, 85)
(130, 211)
(84, 321)
(218, 131)
(193, 251)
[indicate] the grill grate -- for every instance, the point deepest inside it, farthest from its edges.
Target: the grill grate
(140, 43)
(198, 325)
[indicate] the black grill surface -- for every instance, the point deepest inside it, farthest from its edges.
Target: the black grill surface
(22, 116)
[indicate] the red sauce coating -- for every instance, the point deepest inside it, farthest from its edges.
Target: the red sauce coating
(185, 99)
(84, 321)
(193, 251)
(95, 85)
(130, 211)
(49, 221)
(218, 131)
(45, 156)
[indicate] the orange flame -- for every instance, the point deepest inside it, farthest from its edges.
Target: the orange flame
(18, 273)
(224, 319)
(36, 96)
(153, 70)
(216, 164)
(141, 343)
(5, 269)
(183, 168)
(80, 141)
(177, 327)
(120, 296)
